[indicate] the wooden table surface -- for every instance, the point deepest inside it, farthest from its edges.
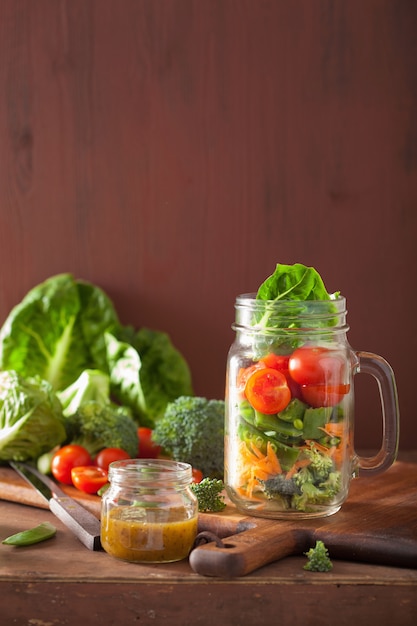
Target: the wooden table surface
(61, 582)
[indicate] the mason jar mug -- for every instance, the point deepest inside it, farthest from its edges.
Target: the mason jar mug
(289, 429)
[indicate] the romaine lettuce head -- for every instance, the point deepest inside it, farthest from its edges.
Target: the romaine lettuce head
(31, 420)
(146, 373)
(90, 386)
(57, 331)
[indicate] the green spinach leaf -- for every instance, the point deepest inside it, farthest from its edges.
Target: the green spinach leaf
(293, 282)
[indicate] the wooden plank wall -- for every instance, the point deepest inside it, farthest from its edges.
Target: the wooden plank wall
(173, 151)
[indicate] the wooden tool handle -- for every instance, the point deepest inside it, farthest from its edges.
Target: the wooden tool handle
(243, 553)
(84, 525)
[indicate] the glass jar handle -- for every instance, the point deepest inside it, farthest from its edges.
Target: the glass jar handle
(381, 370)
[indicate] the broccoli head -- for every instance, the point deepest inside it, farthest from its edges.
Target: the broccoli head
(96, 426)
(192, 430)
(279, 485)
(315, 490)
(318, 558)
(209, 495)
(321, 464)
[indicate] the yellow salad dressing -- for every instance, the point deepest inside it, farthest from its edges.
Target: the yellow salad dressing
(162, 535)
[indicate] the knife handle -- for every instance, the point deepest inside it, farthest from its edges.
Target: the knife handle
(84, 525)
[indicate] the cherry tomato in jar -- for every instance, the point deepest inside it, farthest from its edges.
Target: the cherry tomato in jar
(148, 449)
(267, 391)
(108, 455)
(89, 478)
(245, 372)
(280, 362)
(323, 395)
(65, 459)
(197, 475)
(276, 361)
(316, 365)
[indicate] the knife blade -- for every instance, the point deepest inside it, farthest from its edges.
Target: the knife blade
(84, 525)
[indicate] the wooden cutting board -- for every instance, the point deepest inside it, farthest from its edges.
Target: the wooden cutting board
(14, 489)
(377, 524)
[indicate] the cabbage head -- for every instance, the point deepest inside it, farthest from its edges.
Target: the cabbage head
(31, 420)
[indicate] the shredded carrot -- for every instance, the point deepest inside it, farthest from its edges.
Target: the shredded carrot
(297, 465)
(256, 451)
(317, 446)
(333, 429)
(256, 466)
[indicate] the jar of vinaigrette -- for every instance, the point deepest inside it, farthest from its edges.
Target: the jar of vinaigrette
(149, 513)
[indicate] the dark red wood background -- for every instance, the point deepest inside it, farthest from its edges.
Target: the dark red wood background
(173, 151)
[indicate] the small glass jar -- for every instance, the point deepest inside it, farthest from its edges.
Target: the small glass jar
(289, 449)
(149, 513)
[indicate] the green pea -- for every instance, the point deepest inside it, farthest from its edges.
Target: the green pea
(33, 535)
(298, 424)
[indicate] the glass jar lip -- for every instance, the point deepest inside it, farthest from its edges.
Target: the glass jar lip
(150, 471)
(251, 298)
(274, 316)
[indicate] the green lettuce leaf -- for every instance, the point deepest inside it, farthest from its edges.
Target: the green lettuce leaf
(292, 297)
(57, 331)
(90, 386)
(31, 419)
(293, 282)
(146, 373)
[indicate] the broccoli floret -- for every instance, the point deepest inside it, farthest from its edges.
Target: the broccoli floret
(321, 464)
(331, 486)
(309, 493)
(96, 426)
(318, 559)
(208, 494)
(280, 486)
(315, 491)
(192, 430)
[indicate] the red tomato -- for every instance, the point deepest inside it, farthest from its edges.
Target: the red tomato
(276, 361)
(65, 459)
(316, 365)
(108, 455)
(267, 391)
(245, 372)
(88, 478)
(197, 476)
(148, 449)
(323, 395)
(280, 362)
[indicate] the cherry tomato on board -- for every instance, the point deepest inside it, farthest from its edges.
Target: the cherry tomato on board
(197, 475)
(267, 391)
(316, 365)
(88, 478)
(66, 458)
(108, 455)
(148, 449)
(324, 395)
